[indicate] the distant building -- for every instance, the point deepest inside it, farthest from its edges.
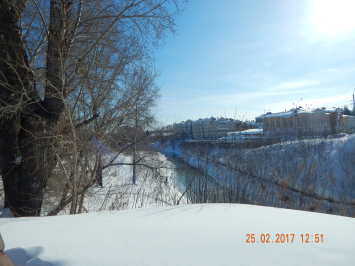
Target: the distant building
(188, 128)
(225, 125)
(260, 118)
(197, 129)
(301, 122)
(209, 128)
(180, 130)
(349, 124)
(336, 120)
(255, 133)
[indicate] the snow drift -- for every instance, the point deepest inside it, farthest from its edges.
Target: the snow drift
(206, 234)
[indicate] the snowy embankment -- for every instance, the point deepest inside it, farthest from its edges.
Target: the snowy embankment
(153, 186)
(311, 174)
(206, 234)
(327, 163)
(168, 147)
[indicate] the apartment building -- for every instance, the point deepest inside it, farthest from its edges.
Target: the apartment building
(204, 128)
(183, 129)
(260, 118)
(336, 120)
(197, 129)
(297, 122)
(349, 124)
(300, 122)
(209, 127)
(188, 128)
(224, 126)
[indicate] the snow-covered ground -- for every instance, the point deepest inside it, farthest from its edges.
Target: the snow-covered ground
(153, 185)
(206, 234)
(324, 167)
(168, 147)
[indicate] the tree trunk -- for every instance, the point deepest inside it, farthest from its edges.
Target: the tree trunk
(28, 124)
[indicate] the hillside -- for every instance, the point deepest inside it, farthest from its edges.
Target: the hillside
(309, 174)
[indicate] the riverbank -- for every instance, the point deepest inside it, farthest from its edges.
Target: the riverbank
(310, 174)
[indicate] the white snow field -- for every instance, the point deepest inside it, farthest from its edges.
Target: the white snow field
(206, 234)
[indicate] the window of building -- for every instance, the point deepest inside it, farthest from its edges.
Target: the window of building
(278, 124)
(266, 125)
(272, 124)
(290, 123)
(285, 124)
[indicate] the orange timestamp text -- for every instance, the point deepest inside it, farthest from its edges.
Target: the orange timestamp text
(284, 238)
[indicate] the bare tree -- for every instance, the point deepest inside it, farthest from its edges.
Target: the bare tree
(67, 71)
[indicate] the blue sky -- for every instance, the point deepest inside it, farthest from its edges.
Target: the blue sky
(240, 58)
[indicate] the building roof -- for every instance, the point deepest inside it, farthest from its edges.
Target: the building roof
(330, 110)
(294, 112)
(261, 116)
(255, 131)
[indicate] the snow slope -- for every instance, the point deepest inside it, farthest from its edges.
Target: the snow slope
(152, 189)
(206, 234)
(154, 186)
(323, 166)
